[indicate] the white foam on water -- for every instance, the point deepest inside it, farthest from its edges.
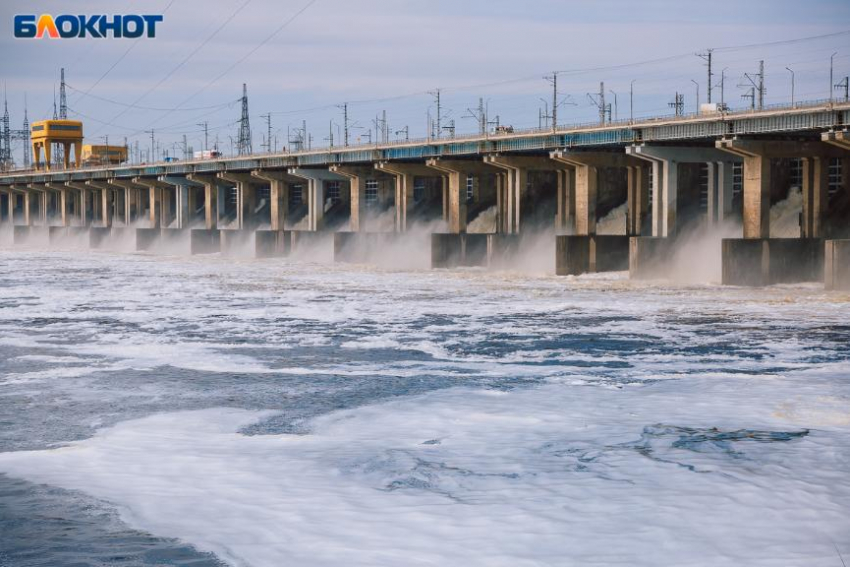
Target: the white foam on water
(553, 475)
(785, 215)
(614, 222)
(485, 222)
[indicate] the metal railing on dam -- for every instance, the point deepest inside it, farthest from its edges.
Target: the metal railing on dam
(778, 119)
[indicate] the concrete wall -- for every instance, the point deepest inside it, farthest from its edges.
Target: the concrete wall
(768, 261)
(836, 263)
(575, 255)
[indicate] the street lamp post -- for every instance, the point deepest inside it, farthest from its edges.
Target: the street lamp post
(697, 103)
(831, 57)
(792, 84)
(545, 116)
(632, 100)
(616, 112)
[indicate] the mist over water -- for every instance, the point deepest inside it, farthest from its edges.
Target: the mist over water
(174, 410)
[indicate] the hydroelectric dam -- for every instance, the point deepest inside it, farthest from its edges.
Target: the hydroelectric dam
(670, 177)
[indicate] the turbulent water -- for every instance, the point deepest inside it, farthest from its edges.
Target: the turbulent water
(205, 411)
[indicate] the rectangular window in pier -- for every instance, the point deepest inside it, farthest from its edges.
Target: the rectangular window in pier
(371, 191)
(470, 187)
(796, 172)
(332, 192)
(296, 196)
(834, 176)
(703, 187)
(649, 187)
(737, 178)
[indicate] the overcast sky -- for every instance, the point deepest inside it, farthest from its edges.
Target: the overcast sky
(392, 53)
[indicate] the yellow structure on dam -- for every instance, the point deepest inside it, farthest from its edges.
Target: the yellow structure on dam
(103, 155)
(45, 133)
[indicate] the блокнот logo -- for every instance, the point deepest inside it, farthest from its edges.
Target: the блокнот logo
(28, 26)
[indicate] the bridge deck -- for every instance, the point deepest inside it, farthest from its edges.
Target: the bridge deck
(803, 119)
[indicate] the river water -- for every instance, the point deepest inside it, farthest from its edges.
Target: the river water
(208, 411)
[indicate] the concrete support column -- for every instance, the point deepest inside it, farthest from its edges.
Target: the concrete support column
(565, 216)
(83, 200)
(64, 205)
(514, 181)
(357, 177)
(757, 156)
(39, 196)
(27, 215)
(756, 197)
(454, 193)
(815, 195)
(106, 201)
(246, 199)
(316, 179)
(279, 182)
(160, 215)
(665, 189)
(210, 198)
(586, 166)
(63, 201)
(756, 185)
(665, 182)
(721, 185)
(455, 173)
(405, 175)
(131, 191)
(184, 199)
(638, 199)
(720, 181)
(516, 169)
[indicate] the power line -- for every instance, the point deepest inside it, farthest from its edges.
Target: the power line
(126, 52)
(568, 71)
(246, 56)
(183, 62)
(782, 42)
(158, 109)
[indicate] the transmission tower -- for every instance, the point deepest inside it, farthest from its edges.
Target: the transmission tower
(678, 104)
(5, 138)
(244, 144)
(23, 135)
(63, 101)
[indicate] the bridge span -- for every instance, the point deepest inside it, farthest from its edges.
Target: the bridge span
(614, 196)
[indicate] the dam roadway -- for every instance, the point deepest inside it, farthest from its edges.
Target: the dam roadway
(482, 198)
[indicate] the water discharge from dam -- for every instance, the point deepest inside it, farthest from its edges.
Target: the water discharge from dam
(198, 410)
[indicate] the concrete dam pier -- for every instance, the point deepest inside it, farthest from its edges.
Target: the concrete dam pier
(775, 184)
